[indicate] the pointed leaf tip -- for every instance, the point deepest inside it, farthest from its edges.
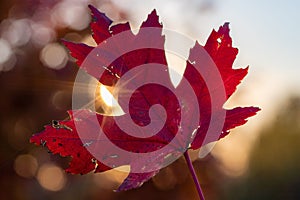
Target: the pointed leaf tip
(226, 25)
(224, 30)
(98, 15)
(154, 13)
(135, 180)
(79, 51)
(100, 25)
(152, 20)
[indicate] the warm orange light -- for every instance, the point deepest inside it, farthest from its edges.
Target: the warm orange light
(51, 177)
(26, 166)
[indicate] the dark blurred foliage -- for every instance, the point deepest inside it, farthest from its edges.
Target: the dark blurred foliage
(274, 171)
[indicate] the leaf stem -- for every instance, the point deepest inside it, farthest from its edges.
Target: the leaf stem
(193, 173)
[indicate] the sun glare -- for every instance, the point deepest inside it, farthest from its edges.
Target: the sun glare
(107, 97)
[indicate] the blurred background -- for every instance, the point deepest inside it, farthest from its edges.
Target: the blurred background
(257, 161)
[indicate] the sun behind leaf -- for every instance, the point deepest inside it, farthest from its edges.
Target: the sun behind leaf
(62, 137)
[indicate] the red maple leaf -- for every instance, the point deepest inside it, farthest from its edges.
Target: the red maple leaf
(62, 137)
